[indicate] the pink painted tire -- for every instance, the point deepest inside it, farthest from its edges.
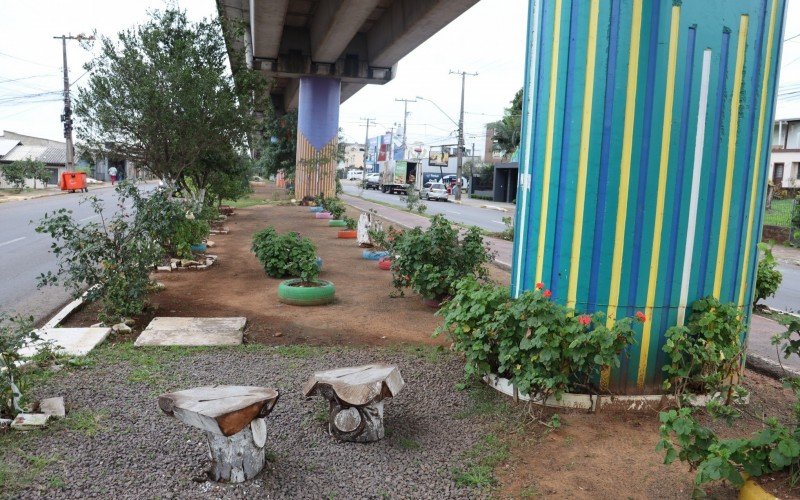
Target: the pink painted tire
(385, 263)
(323, 215)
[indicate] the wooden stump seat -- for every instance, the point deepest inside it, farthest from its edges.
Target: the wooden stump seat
(234, 420)
(355, 396)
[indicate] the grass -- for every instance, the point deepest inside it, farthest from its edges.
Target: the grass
(87, 422)
(408, 444)
(25, 472)
(247, 201)
(480, 462)
(780, 214)
(484, 403)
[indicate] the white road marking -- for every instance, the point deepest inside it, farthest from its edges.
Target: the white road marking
(452, 212)
(499, 222)
(12, 241)
(88, 218)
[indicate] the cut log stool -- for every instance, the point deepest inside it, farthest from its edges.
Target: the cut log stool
(356, 398)
(234, 419)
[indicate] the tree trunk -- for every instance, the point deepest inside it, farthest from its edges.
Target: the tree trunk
(358, 424)
(240, 457)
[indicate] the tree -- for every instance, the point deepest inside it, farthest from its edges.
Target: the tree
(162, 96)
(277, 149)
(17, 172)
(507, 131)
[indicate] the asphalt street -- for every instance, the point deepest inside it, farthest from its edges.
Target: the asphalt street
(491, 220)
(25, 254)
(788, 296)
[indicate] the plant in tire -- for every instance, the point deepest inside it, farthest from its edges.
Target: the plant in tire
(430, 262)
(285, 255)
(110, 259)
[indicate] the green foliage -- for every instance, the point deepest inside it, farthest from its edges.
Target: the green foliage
(544, 348)
(508, 232)
(433, 260)
(413, 201)
(229, 182)
(111, 259)
(277, 150)
(286, 254)
(350, 223)
(768, 278)
(704, 355)
(385, 240)
(17, 172)
(333, 205)
(15, 333)
(187, 231)
(480, 462)
(507, 135)
(162, 94)
(790, 338)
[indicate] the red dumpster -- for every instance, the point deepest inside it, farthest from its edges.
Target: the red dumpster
(73, 181)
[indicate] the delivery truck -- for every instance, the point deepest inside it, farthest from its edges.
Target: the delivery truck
(398, 175)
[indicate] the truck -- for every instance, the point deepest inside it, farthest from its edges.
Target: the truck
(398, 175)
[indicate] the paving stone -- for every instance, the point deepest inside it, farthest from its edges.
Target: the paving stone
(53, 407)
(69, 341)
(164, 331)
(28, 421)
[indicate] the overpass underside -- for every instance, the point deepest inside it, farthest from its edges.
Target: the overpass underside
(319, 53)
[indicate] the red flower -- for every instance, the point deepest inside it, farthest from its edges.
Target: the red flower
(539, 285)
(640, 317)
(547, 294)
(584, 319)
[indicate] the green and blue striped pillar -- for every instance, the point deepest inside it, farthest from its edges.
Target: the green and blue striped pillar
(646, 132)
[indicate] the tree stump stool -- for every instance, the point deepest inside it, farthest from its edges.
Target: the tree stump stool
(234, 420)
(356, 398)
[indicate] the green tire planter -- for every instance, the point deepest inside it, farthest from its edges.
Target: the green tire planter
(337, 223)
(289, 292)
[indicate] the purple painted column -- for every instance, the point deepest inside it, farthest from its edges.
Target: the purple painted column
(317, 136)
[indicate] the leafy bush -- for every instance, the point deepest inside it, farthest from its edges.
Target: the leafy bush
(17, 172)
(385, 240)
(508, 232)
(413, 201)
(704, 355)
(111, 258)
(285, 255)
(188, 231)
(15, 333)
(791, 336)
(432, 261)
(350, 223)
(776, 447)
(768, 278)
(542, 347)
(335, 206)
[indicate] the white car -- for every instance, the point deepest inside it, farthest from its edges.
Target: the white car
(355, 175)
(434, 191)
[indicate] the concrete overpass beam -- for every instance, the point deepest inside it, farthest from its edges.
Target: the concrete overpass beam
(407, 22)
(266, 26)
(335, 24)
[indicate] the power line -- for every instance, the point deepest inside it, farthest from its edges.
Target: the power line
(27, 61)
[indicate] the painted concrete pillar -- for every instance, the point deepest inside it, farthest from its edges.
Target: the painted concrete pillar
(317, 136)
(646, 132)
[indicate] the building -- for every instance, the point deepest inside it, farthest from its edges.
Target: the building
(353, 156)
(784, 163)
(16, 147)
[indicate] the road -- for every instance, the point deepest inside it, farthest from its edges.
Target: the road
(26, 254)
(786, 299)
(491, 220)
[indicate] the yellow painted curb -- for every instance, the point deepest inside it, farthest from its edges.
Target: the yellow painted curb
(752, 491)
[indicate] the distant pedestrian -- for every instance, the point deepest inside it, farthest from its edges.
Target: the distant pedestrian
(112, 174)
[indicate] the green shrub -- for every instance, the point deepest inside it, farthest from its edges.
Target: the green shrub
(413, 201)
(704, 356)
(790, 338)
(188, 231)
(433, 260)
(285, 255)
(111, 259)
(768, 278)
(350, 223)
(385, 239)
(542, 347)
(15, 333)
(335, 206)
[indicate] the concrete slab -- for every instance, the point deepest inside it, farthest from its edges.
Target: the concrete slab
(193, 332)
(70, 341)
(28, 421)
(53, 407)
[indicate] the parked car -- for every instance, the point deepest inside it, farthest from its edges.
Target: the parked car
(434, 191)
(355, 174)
(373, 181)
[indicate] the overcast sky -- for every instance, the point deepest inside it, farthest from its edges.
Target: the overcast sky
(488, 39)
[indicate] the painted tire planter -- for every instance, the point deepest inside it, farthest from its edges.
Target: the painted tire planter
(373, 254)
(316, 209)
(200, 247)
(348, 234)
(751, 490)
(289, 292)
(323, 215)
(337, 223)
(385, 263)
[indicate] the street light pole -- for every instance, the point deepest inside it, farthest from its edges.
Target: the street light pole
(405, 116)
(459, 167)
(366, 154)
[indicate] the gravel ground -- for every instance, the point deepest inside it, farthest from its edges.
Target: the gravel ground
(116, 443)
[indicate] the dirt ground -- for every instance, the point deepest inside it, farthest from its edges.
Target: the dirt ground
(607, 455)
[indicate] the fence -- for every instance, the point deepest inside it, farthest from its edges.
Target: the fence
(782, 221)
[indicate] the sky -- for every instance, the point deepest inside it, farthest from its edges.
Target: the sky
(489, 39)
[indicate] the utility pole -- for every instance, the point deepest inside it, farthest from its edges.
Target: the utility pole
(472, 166)
(366, 154)
(67, 116)
(405, 116)
(459, 169)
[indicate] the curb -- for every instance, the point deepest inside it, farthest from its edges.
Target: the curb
(504, 266)
(768, 367)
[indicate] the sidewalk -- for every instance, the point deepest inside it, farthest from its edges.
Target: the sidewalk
(508, 208)
(7, 197)
(786, 254)
(502, 248)
(762, 355)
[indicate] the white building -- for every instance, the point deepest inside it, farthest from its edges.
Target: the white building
(784, 163)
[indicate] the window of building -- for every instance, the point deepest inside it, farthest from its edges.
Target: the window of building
(777, 173)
